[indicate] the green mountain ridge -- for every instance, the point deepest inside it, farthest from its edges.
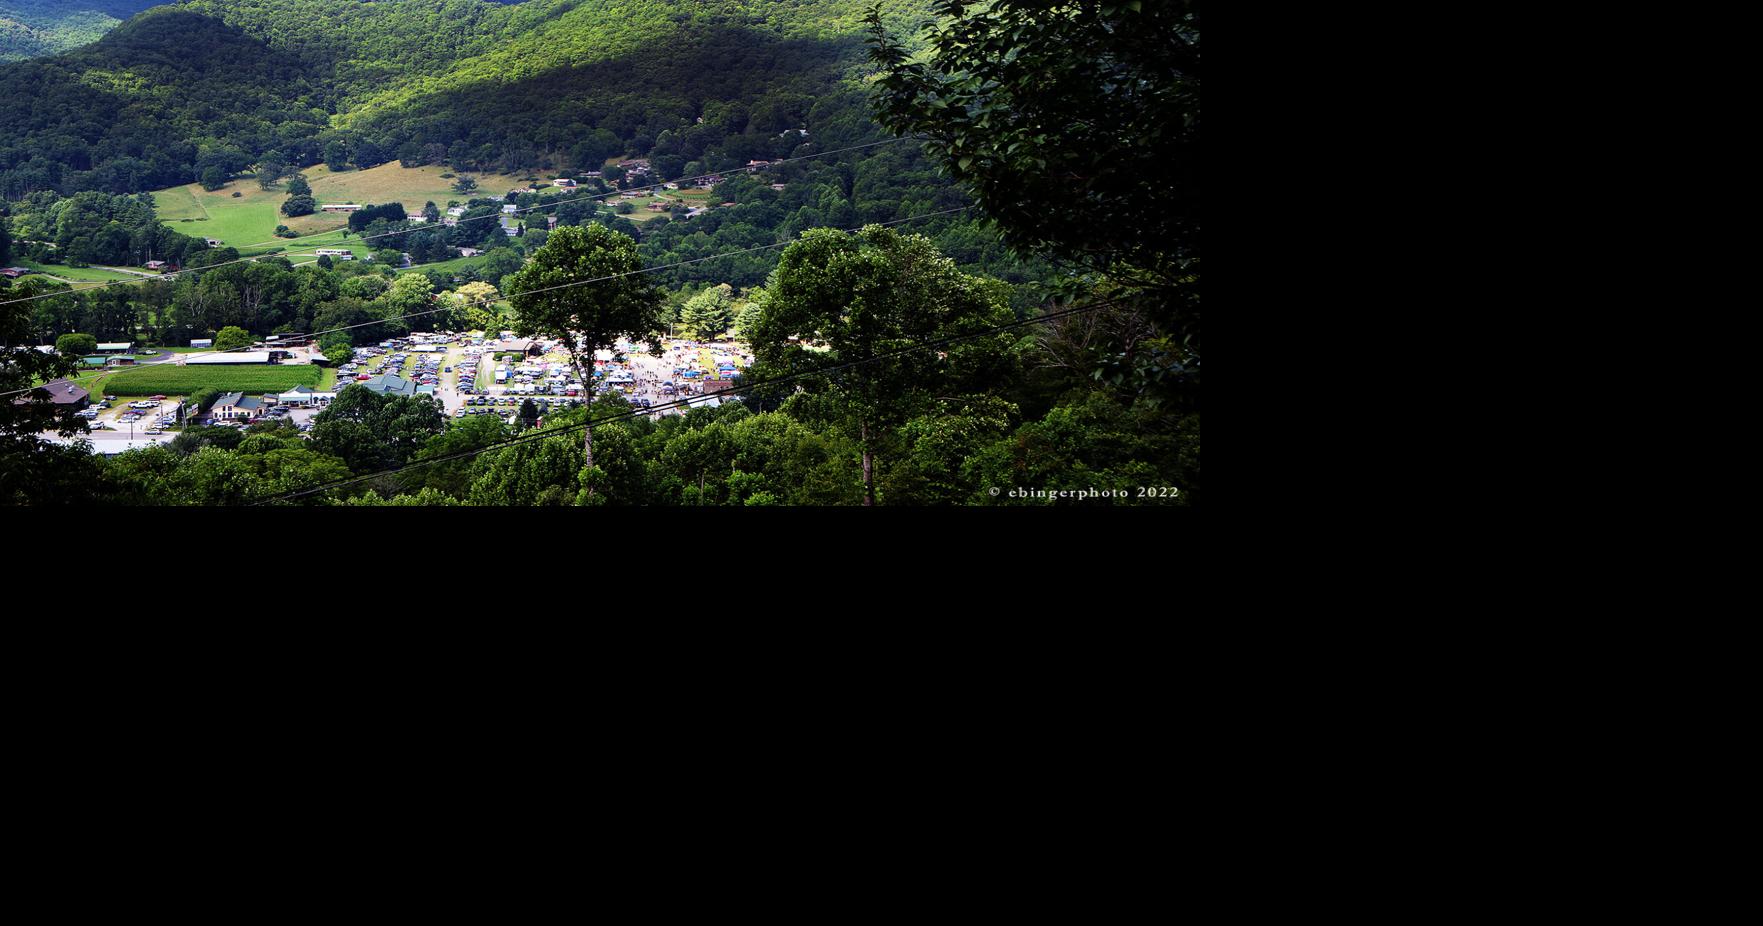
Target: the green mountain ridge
(485, 85)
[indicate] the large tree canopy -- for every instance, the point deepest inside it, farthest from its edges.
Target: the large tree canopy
(1076, 125)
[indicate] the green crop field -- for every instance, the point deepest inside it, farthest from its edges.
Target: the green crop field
(176, 380)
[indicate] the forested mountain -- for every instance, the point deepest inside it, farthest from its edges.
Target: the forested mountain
(478, 85)
(29, 28)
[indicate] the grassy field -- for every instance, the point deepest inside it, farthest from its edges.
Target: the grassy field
(176, 380)
(248, 221)
(77, 274)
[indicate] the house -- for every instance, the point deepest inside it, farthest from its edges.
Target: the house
(341, 207)
(336, 253)
(456, 211)
(13, 273)
(62, 394)
(417, 219)
(510, 209)
(778, 186)
(155, 265)
(717, 385)
(564, 184)
(236, 405)
(469, 252)
(389, 384)
(752, 165)
(212, 242)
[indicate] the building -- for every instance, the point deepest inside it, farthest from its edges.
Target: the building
(336, 253)
(116, 347)
(469, 252)
(302, 396)
(510, 210)
(212, 242)
(230, 357)
(291, 339)
(13, 273)
(525, 346)
(341, 207)
(62, 394)
(155, 265)
(564, 184)
(389, 384)
(235, 405)
(456, 211)
(204, 342)
(712, 386)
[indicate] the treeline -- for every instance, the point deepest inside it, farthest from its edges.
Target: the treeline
(265, 296)
(94, 228)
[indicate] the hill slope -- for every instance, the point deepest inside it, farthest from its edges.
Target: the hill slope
(29, 28)
(475, 84)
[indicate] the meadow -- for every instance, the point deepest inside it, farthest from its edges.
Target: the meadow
(77, 274)
(248, 221)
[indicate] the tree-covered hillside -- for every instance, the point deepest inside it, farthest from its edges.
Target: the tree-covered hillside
(477, 85)
(29, 28)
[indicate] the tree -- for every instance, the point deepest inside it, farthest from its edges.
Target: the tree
(1076, 127)
(270, 170)
(214, 178)
(32, 470)
(464, 184)
(869, 297)
(232, 337)
(708, 314)
(76, 345)
(585, 288)
(297, 185)
(369, 431)
(474, 307)
(299, 205)
(337, 348)
(336, 155)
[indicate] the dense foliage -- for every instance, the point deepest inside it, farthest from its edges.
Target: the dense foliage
(29, 28)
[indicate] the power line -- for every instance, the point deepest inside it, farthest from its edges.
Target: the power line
(407, 231)
(453, 307)
(548, 433)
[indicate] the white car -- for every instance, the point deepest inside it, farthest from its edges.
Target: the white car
(143, 404)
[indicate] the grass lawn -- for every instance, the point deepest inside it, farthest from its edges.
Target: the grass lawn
(77, 274)
(175, 380)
